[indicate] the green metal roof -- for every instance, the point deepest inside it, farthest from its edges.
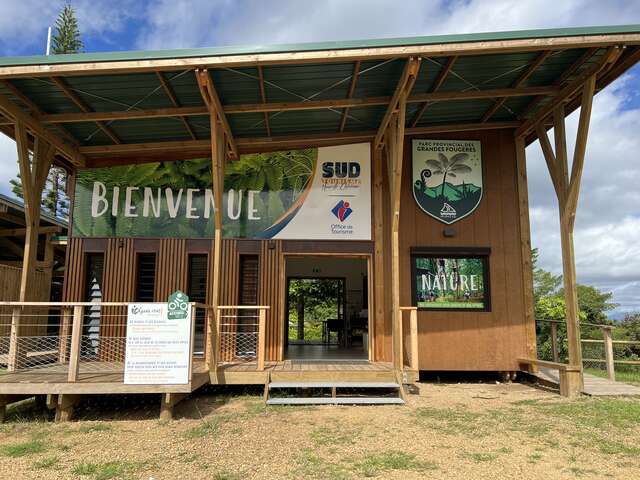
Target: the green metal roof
(299, 82)
(306, 47)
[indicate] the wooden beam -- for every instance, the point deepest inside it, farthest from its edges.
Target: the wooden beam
(403, 88)
(33, 173)
(212, 101)
(566, 93)
(174, 100)
(533, 66)
(217, 60)
(69, 93)
(35, 126)
(36, 111)
(19, 232)
(574, 67)
(296, 106)
(253, 144)
(263, 96)
(580, 150)
(442, 76)
(352, 90)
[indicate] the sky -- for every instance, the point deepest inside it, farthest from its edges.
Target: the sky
(607, 230)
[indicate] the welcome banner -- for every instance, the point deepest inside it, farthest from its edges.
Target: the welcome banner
(317, 193)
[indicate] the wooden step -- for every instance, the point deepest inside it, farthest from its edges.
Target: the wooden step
(329, 384)
(336, 401)
(331, 376)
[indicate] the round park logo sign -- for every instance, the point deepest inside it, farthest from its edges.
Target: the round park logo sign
(177, 306)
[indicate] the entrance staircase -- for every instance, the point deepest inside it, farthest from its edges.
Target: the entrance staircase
(333, 393)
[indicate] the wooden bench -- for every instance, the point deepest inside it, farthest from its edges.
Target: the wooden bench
(570, 376)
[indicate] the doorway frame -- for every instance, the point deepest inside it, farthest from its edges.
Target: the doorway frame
(282, 296)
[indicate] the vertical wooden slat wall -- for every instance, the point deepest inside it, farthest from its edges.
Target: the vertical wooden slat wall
(118, 284)
(73, 288)
(228, 296)
(171, 273)
(269, 294)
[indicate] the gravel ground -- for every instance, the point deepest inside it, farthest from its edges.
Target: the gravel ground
(457, 431)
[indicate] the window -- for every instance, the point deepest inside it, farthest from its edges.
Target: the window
(450, 279)
(197, 292)
(146, 277)
(93, 293)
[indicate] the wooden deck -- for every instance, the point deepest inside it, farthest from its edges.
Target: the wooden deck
(93, 378)
(593, 385)
(310, 371)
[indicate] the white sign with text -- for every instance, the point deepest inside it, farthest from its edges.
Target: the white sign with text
(158, 348)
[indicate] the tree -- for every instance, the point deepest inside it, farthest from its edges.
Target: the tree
(444, 166)
(65, 40)
(67, 37)
(545, 283)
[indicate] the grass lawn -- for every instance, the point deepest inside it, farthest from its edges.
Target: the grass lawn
(621, 376)
(452, 431)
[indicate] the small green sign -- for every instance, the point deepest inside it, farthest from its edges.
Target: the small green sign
(178, 304)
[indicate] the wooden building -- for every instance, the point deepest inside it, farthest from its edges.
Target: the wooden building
(414, 198)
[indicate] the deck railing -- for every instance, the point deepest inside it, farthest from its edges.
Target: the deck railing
(241, 334)
(600, 351)
(75, 338)
(409, 338)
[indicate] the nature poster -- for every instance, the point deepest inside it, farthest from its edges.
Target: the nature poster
(447, 178)
(456, 283)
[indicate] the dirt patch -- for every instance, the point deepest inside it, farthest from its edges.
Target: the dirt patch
(456, 431)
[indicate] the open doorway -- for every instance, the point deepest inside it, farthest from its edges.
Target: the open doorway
(326, 315)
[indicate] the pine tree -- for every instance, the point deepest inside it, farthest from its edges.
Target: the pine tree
(66, 40)
(67, 36)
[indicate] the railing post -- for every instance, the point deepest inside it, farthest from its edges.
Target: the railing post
(76, 338)
(554, 341)
(210, 340)
(399, 357)
(12, 361)
(63, 347)
(192, 336)
(608, 352)
(414, 339)
(262, 323)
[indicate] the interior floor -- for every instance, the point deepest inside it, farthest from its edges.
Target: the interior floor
(325, 352)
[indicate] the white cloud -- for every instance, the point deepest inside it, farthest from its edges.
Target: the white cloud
(8, 163)
(196, 23)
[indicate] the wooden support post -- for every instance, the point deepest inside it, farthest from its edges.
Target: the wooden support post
(218, 126)
(65, 332)
(192, 338)
(168, 401)
(525, 247)
(413, 321)
(379, 242)
(554, 341)
(64, 407)
(76, 338)
(567, 187)
(13, 361)
(608, 352)
(262, 340)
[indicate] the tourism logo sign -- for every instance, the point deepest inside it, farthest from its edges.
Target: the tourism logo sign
(447, 177)
(342, 210)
